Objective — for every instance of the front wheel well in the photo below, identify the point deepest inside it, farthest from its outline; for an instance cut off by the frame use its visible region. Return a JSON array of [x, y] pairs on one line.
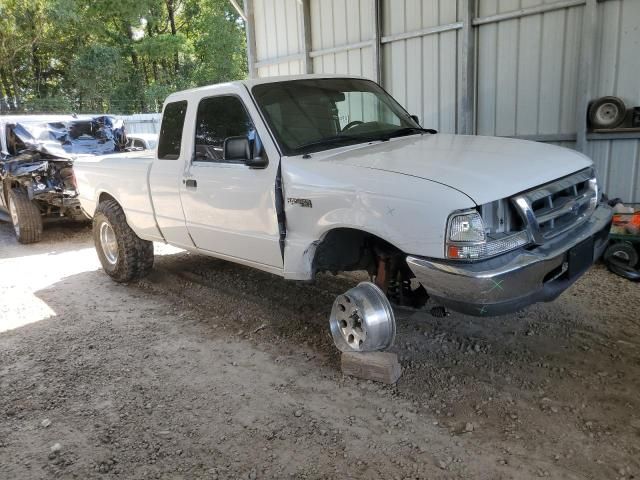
[[349, 249]]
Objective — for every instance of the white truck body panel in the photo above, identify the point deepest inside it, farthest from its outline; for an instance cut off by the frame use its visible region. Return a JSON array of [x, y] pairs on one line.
[[131, 189], [469, 164], [348, 196]]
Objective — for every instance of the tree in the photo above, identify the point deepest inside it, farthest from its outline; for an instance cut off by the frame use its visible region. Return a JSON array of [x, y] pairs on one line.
[[114, 55]]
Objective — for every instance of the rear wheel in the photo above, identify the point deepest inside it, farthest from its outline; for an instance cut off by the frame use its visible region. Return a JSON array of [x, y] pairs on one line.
[[25, 216], [123, 255]]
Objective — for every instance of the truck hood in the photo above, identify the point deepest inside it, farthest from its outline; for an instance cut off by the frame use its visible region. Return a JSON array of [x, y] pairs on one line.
[[483, 168]]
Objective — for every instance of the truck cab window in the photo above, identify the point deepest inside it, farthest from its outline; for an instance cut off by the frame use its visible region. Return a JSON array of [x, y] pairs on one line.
[[171, 131], [219, 118]]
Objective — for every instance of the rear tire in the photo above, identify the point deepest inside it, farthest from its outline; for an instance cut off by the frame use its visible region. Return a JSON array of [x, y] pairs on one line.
[[124, 256], [25, 216]]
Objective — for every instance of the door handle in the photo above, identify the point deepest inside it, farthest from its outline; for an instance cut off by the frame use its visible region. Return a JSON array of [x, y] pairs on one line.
[[191, 183]]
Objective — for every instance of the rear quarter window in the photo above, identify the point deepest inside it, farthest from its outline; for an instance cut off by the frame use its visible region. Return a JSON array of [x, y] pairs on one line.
[[171, 130]]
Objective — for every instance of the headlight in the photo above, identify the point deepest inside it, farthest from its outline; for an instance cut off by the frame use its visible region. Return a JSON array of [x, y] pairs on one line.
[[467, 238], [466, 227]]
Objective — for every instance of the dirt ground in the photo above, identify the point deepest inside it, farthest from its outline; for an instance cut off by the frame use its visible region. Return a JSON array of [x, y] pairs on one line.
[[208, 370]]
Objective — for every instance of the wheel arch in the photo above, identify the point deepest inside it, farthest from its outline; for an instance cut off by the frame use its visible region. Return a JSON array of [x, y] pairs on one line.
[[358, 249], [9, 184], [103, 196]]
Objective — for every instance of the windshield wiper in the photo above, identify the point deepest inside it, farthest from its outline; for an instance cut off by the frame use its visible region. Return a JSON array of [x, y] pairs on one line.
[[401, 132], [338, 139], [329, 141]]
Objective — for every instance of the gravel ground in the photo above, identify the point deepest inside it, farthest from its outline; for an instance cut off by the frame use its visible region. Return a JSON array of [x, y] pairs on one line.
[[210, 370]]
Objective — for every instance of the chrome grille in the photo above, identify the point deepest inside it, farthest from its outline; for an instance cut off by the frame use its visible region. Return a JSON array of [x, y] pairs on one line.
[[554, 208]]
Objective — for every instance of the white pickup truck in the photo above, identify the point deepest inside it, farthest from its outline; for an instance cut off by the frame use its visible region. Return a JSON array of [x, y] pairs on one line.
[[299, 175]]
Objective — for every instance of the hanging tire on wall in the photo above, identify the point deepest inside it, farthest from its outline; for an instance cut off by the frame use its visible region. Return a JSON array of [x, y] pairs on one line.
[[124, 256], [25, 216], [607, 112]]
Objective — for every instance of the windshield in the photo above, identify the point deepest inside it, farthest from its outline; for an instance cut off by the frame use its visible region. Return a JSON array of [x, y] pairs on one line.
[[312, 115]]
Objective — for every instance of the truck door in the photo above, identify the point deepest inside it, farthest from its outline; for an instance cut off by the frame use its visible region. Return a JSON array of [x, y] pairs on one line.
[[229, 207], [167, 172]]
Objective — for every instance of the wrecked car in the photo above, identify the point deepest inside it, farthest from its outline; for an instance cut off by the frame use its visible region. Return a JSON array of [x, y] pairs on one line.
[[36, 166]]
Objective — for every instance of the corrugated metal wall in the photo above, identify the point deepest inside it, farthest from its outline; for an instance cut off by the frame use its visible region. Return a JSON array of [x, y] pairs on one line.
[[527, 64], [618, 73], [527, 70], [335, 23], [421, 72], [277, 24]]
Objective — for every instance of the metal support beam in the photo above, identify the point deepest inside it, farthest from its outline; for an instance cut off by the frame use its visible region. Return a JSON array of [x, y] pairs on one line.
[[340, 48], [377, 36], [467, 70], [423, 32], [238, 9], [275, 61], [305, 41], [585, 71], [250, 28], [524, 12]]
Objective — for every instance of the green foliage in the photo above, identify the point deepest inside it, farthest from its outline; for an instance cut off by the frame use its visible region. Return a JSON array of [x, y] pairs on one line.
[[117, 56], [162, 46]]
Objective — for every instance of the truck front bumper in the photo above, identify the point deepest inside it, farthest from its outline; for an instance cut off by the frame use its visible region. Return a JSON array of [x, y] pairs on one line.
[[517, 279]]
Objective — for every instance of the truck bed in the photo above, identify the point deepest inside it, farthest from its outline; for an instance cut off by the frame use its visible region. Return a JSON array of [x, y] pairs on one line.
[[95, 178]]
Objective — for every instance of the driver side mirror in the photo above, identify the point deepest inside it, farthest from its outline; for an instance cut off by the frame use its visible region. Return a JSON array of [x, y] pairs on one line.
[[416, 119], [239, 149]]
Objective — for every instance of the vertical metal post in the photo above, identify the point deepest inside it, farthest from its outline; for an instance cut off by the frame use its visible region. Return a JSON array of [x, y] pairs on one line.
[[307, 62], [585, 71], [467, 70], [250, 28], [376, 44], [238, 9]]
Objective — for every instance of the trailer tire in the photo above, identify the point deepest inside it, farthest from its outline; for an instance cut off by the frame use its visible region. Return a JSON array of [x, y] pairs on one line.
[[124, 256], [25, 216], [621, 253]]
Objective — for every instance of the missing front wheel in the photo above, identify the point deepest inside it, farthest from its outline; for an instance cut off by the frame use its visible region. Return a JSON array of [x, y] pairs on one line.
[[394, 278]]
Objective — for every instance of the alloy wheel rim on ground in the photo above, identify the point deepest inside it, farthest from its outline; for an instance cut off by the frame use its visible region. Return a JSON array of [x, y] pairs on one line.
[[362, 320], [109, 243]]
